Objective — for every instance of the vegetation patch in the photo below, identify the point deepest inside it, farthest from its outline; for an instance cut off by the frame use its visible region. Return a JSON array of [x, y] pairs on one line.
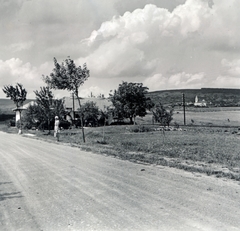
[[197, 149]]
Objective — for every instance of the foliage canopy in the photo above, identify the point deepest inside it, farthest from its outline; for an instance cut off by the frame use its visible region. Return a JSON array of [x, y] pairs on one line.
[[130, 100], [67, 76], [90, 112], [17, 94], [162, 115], [44, 110]]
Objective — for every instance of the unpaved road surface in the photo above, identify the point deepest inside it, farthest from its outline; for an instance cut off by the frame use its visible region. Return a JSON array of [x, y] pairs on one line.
[[50, 186]]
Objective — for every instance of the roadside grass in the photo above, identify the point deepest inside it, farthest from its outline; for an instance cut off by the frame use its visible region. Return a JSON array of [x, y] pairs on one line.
[[5, 128], [209, 150], [204, 149], [215, 151]]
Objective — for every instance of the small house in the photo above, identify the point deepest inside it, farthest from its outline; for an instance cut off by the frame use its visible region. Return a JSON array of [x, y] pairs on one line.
[[18, 110], [72, 105]]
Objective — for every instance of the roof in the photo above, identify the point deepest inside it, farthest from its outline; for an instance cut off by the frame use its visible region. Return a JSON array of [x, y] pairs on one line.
[[25, 106], [101, 103]]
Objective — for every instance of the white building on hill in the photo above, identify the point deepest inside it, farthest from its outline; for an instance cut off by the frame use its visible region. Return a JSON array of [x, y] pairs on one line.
[[201, 103]]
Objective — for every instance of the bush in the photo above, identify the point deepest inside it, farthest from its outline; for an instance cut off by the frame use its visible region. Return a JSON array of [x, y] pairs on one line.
[[12, 123], [64, 124], [140, 129]]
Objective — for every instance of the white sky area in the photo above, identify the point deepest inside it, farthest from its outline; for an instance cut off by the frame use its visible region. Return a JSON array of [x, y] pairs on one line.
[[163, 44]]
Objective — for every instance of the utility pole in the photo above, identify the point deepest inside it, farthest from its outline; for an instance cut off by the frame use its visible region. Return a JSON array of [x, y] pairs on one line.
[[184, 113], [73, 108]]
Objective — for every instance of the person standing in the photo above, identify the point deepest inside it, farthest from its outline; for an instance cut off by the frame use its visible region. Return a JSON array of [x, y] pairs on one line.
[[56, 128]]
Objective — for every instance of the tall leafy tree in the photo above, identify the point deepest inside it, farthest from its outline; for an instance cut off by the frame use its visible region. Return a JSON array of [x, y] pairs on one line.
[[44, 100], [68, 76], [90, 112], [33, 116], [18, 95], [58, 108], [40, 113], [130, 100]]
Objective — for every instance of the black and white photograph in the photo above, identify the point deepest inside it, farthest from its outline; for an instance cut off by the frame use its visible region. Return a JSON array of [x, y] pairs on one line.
[[119, 115]]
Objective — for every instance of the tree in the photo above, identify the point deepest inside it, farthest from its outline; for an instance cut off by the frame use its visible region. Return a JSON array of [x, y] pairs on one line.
[[58, 108], [18, 95], [161, 115], [44, 99], [103, 117], [90, 112], [48, 107], [130, 100], [44, 110], [68, 76], [33, 116]]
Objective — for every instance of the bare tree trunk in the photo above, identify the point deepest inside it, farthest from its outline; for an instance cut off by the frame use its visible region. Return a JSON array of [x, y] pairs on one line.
[[104, 130], [49, 125], [81, 117], [131, 120]]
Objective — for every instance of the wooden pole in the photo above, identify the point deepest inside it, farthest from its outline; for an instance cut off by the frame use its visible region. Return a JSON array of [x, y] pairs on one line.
[[73, 108], [184, 113]]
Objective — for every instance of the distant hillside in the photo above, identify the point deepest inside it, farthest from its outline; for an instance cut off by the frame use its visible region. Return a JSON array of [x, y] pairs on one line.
[[221, 97], [6, 105]]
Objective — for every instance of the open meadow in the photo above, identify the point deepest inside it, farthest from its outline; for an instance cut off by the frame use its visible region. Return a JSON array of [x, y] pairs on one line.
[[210, 144], [222, 116]]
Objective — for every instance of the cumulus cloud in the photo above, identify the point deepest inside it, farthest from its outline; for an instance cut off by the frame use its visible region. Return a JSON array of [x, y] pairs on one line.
[[177, 81], [15, 47], [226, 82], [182, 44], [232, 68], [136, 39], [152, 42], [14, 71]]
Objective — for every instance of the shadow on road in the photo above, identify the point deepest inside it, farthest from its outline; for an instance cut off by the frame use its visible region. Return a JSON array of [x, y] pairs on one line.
[[12, 195]]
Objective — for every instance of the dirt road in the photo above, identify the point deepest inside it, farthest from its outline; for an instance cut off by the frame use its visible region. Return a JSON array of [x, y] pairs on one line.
[[48, 186]]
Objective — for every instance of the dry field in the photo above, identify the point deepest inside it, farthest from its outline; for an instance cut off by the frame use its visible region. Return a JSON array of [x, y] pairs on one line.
[[210, 116]]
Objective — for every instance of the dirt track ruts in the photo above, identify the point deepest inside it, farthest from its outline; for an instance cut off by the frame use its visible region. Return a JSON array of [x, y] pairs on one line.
[[49, 186]]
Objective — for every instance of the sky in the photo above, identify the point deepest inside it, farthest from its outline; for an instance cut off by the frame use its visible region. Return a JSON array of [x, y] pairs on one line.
[[177, 44]]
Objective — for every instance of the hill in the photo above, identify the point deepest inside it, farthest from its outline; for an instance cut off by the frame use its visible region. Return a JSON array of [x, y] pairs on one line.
[[218, 97], [6, 106]]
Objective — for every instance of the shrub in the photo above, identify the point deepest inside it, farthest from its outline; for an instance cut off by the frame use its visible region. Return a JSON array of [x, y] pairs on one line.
[[64, 124], [12, 123], [140, 128]]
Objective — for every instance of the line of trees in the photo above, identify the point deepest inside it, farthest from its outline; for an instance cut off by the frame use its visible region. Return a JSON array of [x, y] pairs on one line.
[[128, 101]]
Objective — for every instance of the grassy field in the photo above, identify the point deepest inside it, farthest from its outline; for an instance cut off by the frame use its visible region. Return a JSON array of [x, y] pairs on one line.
[[228, 117], [206, 149], [212, 117]]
